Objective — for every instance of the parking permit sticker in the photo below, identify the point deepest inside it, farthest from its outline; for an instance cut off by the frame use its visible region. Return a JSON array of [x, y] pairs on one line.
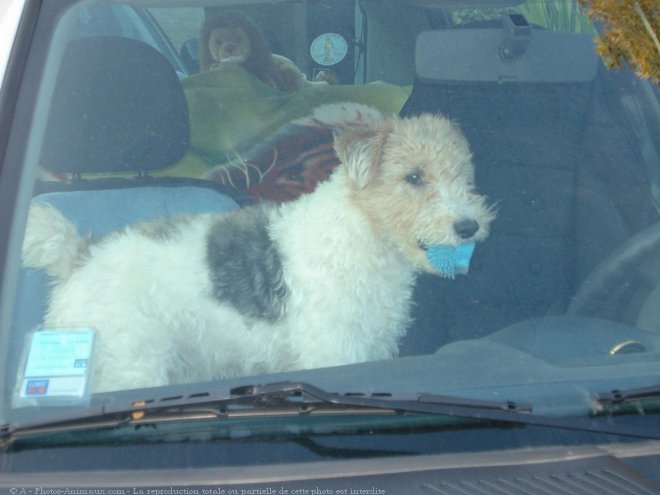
[[57, 366], [328, 49]]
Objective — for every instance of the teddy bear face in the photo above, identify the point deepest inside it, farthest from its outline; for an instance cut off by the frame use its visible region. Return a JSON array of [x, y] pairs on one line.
[[229, 44]]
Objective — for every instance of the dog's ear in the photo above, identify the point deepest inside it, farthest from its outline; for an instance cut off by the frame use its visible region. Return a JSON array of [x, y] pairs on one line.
[[360, 133], [361, 152]]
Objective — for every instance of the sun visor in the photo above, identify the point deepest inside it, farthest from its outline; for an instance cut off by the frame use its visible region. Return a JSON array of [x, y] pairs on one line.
[[506, 55]]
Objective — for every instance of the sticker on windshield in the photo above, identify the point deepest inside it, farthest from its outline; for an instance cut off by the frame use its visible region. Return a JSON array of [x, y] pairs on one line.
[[57, 366], [328, 49]]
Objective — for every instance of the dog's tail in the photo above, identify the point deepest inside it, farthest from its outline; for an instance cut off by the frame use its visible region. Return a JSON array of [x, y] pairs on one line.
[[52, 242]]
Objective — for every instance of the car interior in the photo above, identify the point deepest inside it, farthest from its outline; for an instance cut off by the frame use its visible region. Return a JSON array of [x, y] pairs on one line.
[[545, 142]]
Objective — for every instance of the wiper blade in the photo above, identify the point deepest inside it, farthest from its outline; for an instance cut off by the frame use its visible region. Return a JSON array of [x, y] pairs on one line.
[[282, 398], [505, 412], [617, 396], [415, 402], [298, 398]]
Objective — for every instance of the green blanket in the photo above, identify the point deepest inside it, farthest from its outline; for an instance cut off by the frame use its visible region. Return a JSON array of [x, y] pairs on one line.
[[231, 111]]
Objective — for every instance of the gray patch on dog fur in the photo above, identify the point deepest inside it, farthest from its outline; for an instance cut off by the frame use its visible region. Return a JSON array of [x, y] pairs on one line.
[[246, 269]]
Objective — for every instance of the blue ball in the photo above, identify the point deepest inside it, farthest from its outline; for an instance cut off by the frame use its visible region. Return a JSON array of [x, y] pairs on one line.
[[451, 260]]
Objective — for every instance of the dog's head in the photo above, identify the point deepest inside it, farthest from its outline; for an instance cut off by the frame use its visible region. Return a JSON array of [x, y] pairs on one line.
[[414, 180]]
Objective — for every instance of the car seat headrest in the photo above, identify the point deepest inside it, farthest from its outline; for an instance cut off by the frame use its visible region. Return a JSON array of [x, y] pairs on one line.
[[480, 55], [118, 106]]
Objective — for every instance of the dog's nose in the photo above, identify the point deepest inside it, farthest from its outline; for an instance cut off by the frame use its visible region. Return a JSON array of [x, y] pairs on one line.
[[466, 228]]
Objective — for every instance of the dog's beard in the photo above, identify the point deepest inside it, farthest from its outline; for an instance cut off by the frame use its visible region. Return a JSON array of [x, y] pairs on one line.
[[234, 59]]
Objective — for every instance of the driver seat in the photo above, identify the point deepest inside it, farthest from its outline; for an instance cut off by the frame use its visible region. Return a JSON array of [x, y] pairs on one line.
[[524, 117]]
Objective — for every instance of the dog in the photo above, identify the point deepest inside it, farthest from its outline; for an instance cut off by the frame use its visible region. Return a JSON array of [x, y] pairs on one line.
[[235, 38], [325, 280]]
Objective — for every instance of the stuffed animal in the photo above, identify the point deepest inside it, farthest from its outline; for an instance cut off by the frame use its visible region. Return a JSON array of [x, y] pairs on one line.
[[235, 38]]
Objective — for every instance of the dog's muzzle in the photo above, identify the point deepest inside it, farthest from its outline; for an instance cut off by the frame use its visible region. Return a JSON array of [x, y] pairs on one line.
[[466, 228]]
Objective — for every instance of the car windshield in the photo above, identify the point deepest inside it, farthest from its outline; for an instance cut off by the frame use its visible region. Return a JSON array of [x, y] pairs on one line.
[[234, 219]]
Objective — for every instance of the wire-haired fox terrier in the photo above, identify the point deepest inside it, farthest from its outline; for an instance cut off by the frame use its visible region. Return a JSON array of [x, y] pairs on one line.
[[322, 281]]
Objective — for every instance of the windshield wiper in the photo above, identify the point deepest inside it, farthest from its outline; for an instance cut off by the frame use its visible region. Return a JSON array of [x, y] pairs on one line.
[[275, 399], [298, 398], [399, 402], [505, 412], [622, 401]]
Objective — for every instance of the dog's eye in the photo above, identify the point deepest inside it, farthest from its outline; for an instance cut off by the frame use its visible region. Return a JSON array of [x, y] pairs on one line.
[[414, 179]]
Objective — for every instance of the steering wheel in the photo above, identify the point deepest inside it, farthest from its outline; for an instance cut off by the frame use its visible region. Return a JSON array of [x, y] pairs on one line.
[[626, 286]]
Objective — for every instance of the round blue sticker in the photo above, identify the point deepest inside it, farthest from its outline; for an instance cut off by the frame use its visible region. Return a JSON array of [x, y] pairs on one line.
[[328, 49]]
